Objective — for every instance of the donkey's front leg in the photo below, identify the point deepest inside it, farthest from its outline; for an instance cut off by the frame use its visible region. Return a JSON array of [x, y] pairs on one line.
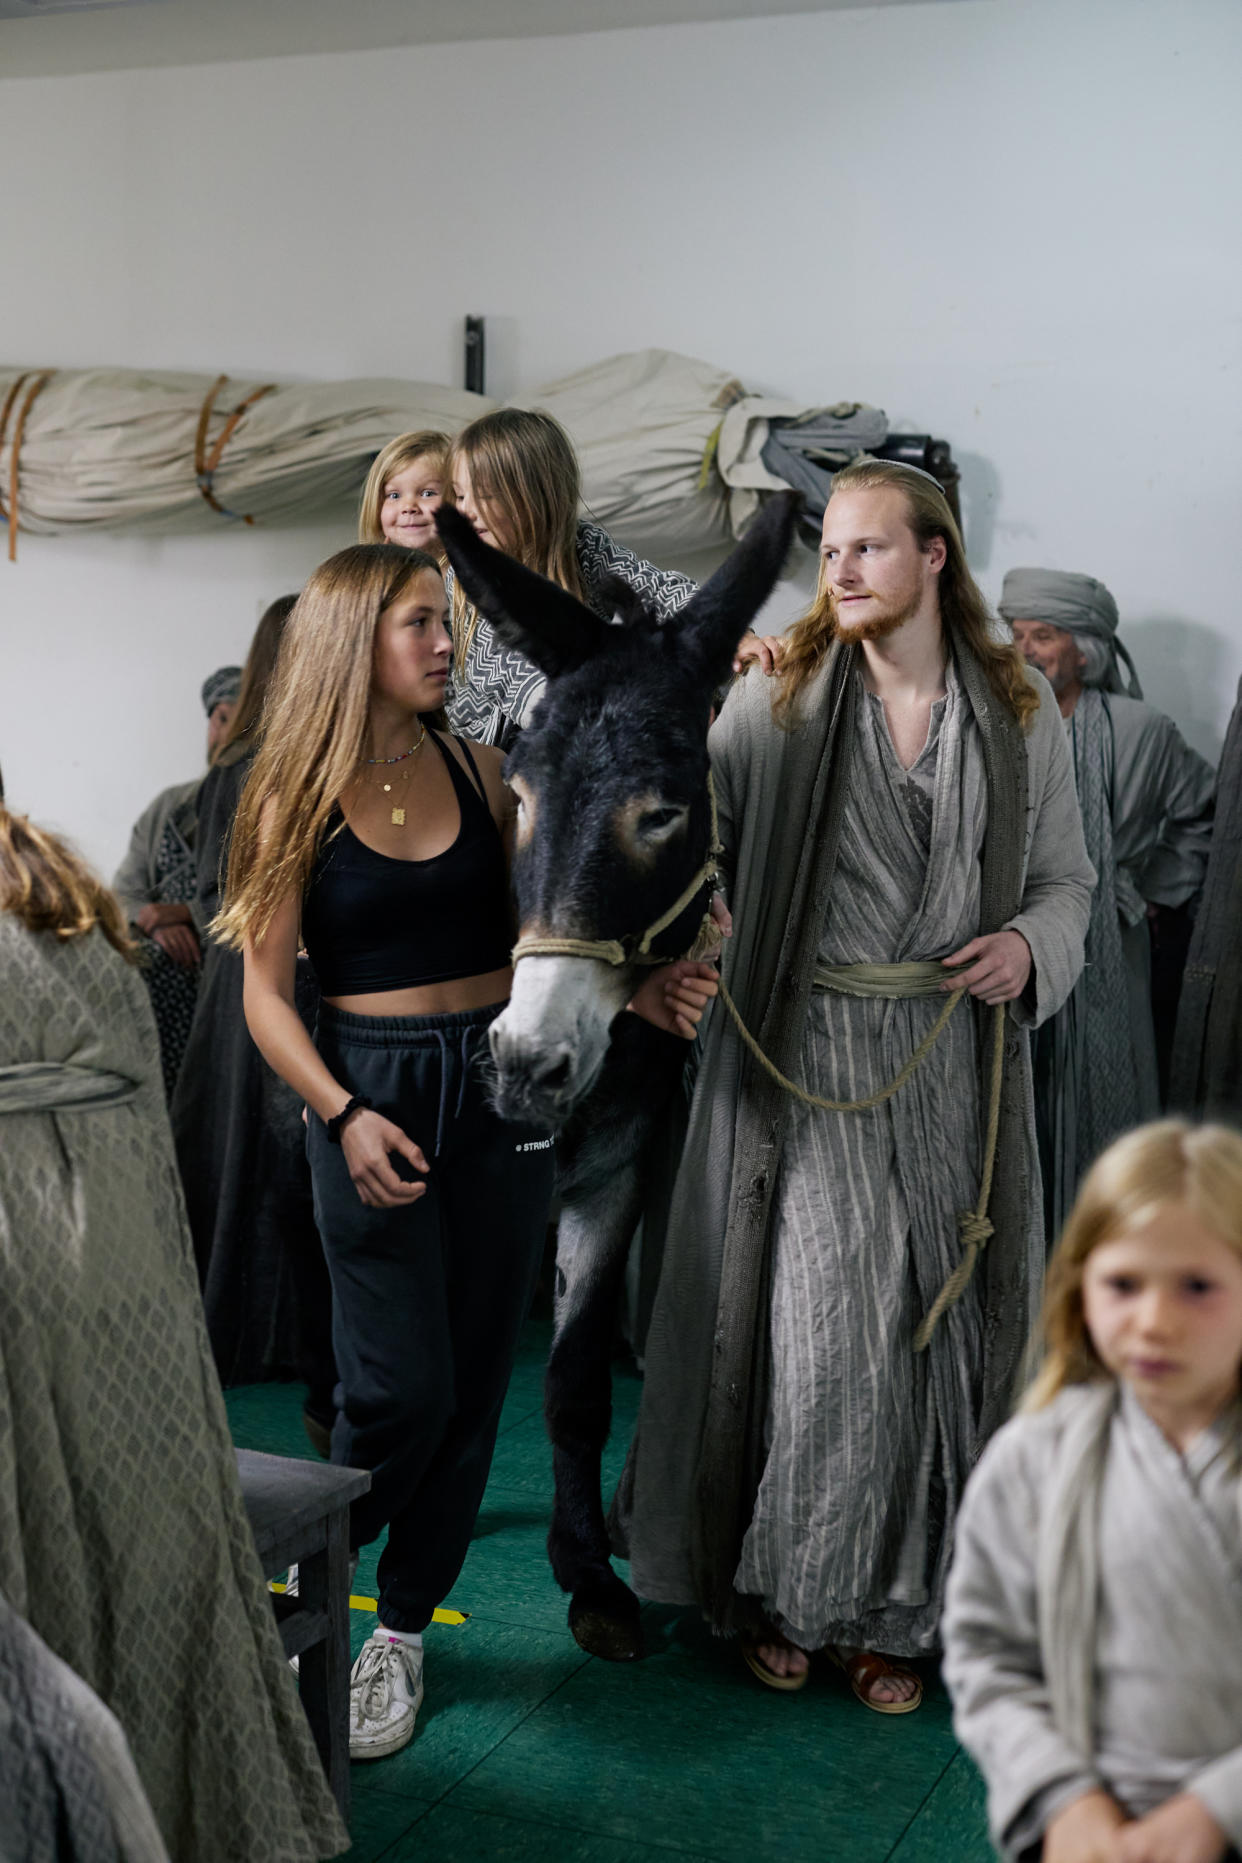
[[592, 1246]]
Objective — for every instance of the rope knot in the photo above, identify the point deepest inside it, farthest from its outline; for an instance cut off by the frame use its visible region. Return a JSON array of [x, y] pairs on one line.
[[973, 1228]]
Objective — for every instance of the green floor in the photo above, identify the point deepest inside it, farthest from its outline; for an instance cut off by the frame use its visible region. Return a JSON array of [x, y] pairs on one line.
[[528, 1749]]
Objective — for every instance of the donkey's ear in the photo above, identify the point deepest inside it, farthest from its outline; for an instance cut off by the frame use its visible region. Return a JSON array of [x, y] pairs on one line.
[[527, 611], [713, 621]]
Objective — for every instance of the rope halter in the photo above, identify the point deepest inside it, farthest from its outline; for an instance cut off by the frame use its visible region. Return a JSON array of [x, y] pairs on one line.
[[633, 949]]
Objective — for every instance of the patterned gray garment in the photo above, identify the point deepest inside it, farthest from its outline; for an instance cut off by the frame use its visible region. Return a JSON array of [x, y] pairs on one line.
[[173, 990], [502, 687], [123, 1537], [869, 1444]]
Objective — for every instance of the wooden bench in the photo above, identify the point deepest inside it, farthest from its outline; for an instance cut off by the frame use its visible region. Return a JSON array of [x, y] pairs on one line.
[[299, 1514]]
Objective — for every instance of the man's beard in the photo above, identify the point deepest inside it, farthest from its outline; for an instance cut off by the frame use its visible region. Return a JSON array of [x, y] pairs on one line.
[[880, 626], [1057, 680]]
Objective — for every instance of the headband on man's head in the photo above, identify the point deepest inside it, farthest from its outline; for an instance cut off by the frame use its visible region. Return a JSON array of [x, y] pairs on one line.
[[1077, 604], [223, 684]]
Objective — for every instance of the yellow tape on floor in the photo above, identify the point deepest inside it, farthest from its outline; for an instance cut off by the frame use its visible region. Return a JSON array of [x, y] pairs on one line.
[[368, 1604], [437, 1617]]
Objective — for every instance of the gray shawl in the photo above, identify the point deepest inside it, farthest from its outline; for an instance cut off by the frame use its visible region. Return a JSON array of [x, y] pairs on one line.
[[689, 1486]]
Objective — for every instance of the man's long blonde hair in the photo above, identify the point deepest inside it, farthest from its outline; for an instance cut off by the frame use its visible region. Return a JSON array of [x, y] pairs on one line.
[[49, 888], [315, 731], [405, 450], [1170, 1161], [522, 466], [963, 609]]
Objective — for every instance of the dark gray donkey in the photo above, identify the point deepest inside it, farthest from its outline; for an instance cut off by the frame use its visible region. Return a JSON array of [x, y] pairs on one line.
[[613, 830]]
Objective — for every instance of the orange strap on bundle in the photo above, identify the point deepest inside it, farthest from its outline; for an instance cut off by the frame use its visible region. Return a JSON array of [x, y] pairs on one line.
[[205, 463], [32, 393]]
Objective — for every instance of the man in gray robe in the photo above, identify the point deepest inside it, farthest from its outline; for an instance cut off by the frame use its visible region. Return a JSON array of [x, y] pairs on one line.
[[1146, 801], [831, 1340]]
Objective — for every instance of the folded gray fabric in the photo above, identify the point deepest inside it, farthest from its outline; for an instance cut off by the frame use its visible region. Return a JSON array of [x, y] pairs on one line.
[[807, 451]]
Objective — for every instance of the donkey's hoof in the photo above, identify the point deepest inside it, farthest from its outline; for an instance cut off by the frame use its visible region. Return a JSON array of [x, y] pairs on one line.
[[607, 1625]]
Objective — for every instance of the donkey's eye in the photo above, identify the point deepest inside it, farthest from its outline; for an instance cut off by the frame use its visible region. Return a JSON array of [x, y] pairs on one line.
[[659, 821]]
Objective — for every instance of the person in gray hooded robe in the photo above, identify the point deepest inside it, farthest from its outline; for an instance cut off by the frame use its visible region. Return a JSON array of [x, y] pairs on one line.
[[1146, 801], [846, 1294], [155, 884]]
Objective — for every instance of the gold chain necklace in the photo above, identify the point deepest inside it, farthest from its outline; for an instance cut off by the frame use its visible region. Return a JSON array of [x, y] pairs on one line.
[[397, 815]]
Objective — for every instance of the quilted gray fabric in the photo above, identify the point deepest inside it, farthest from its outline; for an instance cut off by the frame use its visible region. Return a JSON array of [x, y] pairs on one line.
[[123, 1539]]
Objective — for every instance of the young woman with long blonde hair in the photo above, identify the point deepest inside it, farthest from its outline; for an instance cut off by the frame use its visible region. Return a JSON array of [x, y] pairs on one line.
[[1094, 1610], [372, 832]]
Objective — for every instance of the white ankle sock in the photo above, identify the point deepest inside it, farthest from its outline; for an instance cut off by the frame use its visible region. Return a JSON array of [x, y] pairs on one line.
[[414, 1638]]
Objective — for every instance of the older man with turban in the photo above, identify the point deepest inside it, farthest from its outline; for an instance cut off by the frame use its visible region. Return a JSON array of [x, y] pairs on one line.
[[1146, 801], [157, 879]]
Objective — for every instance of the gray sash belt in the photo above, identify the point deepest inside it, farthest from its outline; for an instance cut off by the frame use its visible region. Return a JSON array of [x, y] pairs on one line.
[[59, 1086], [923, 977]]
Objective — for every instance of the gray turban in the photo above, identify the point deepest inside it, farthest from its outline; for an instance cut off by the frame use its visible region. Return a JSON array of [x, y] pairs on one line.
[[224, 683], [1082, 607]]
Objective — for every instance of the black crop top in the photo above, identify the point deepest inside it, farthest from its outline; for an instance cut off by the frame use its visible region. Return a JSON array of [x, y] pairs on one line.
[[371, 922]]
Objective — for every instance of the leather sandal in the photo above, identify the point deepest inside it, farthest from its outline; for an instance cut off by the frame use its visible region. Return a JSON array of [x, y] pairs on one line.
[[866, 1668], [787, 1684]]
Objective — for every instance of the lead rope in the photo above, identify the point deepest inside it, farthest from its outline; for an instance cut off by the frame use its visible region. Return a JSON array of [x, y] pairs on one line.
[[974, 1226]]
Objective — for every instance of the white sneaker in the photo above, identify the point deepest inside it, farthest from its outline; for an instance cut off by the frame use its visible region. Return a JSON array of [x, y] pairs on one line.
[[385, 1694]]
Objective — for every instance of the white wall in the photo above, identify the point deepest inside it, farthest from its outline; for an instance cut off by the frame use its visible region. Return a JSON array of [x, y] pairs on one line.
[[1010, 222]]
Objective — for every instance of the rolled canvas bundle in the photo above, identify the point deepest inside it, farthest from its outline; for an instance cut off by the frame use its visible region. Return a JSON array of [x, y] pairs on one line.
[[675, 455]]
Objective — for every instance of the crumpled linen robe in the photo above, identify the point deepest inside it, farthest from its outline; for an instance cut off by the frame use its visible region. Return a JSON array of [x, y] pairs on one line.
[[687, 1495], [68, 1789], [1097, 1576], [1147, 802], [123, 1537], [867, 1441]]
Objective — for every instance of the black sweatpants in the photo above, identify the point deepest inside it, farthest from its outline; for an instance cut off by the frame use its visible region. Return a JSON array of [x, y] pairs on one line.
[[429, 1299]]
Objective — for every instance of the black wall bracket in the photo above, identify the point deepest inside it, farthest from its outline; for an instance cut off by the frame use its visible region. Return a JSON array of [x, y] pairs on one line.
[[476, 357]]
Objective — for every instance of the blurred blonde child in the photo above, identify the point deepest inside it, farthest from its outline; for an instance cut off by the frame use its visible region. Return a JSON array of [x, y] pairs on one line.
[[1093, 1621]]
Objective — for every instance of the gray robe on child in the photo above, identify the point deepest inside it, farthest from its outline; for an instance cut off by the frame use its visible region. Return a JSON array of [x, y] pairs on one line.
[[1094, 1613]]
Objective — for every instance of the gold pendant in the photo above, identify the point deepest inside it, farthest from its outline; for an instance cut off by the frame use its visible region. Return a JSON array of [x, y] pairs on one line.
[[398, 818]]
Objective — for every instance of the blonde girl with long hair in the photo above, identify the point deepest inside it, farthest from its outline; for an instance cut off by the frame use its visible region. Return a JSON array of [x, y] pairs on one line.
[[1094, 1610], [514, 475], [403, 491], [375, 834]]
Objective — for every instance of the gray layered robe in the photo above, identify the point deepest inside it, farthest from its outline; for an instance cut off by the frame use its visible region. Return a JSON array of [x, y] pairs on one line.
[[688, 1494], [1147, 816], [1093, 1615]]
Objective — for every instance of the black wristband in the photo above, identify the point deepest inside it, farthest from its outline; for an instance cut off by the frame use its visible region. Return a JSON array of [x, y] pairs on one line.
[[333, 1126]]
